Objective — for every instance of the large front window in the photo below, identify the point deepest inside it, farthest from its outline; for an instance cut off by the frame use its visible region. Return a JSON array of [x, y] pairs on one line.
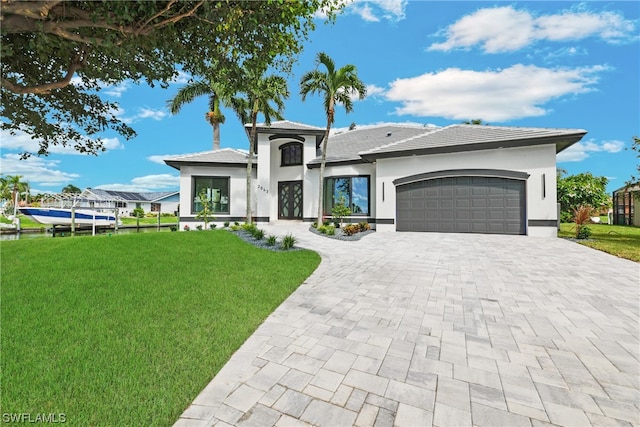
[[352, 191], [291, 154], [215, 191]]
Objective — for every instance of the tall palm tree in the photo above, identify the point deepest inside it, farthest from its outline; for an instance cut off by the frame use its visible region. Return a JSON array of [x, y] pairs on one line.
[[15, 185], [260, 93], [336, 86], [193, 90]]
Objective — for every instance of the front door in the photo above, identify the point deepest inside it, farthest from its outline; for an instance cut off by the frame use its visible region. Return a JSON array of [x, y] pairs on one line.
[[290, 200]]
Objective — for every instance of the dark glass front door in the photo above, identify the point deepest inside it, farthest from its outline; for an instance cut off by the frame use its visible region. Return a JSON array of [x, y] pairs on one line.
[[290, 200]]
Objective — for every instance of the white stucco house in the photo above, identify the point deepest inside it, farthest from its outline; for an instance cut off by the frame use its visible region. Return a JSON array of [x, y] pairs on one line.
[[127, 201], [458, 178]]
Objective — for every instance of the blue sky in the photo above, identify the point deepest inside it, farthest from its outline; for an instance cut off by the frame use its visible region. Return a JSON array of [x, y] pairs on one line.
[[533, 64]]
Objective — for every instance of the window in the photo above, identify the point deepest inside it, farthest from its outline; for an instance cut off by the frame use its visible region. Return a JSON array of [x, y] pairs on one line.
[[121, 204], [291, 154], [155, 207], [353, 191], [216, 192]]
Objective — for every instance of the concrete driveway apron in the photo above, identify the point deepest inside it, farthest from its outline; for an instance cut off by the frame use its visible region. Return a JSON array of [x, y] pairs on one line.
[[420, 329]]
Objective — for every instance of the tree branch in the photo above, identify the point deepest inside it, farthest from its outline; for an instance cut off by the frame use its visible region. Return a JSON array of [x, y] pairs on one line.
[[45, 89]]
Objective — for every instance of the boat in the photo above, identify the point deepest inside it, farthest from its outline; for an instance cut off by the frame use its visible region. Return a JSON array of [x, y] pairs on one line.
[[63, 216]]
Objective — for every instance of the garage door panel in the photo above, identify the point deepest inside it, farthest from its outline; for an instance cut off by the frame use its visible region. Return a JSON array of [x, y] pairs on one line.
[[463, 205]]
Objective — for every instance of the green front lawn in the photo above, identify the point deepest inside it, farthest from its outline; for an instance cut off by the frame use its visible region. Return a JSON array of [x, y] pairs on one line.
[[128, 329], [620, 240]]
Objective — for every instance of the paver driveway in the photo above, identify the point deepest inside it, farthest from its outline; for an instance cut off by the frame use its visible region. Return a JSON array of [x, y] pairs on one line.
[[424, 329]]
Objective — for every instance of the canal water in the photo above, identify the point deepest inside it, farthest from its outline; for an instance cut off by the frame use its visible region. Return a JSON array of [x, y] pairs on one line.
[[47, 233]]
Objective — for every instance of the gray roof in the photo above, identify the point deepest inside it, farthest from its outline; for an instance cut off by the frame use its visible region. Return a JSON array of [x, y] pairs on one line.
[[224, 156], [368, 143], [286, 125], [456, 138], [346, 146], [132, 196]]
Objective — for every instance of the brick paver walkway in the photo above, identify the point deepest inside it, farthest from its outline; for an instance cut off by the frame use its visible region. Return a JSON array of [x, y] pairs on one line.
[[420, 329]]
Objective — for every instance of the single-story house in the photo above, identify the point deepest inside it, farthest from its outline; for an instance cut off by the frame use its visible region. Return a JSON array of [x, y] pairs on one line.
[[127, 201], [626, 202], [458, 178]]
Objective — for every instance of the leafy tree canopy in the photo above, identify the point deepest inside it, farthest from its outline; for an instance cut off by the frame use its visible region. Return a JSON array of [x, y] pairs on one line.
[[71, 189], [57, 54], [582, 189], [635, 146]]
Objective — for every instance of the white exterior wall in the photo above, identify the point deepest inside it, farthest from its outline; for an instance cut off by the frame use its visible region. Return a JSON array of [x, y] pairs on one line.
[[237, 191], [535, 161]]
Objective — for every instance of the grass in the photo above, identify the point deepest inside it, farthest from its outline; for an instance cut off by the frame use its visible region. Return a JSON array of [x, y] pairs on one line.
[[620, 240], [128, 329]]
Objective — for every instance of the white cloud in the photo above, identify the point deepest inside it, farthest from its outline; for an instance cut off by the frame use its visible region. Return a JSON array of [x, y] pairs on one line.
[[505, 29], [182, 78], [373, 90], [373, 10], [148, 183], [41, 170], [581, 150], [143, 113], [494, 95], [117, 90], [23, 142]]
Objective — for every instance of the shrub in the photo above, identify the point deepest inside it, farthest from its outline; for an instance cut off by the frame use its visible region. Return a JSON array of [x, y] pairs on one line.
[[581, 216], [236, 223], [364, 226], [584, 233], [186, 227], [315, 224], [271, 240], [212, 226], [235, 227], [326, 222], [138, 213], [173, 228], [250, 228], [288, 241], [339, 211], [199, 227], [258, 234], [226, 223], [330, 230], [323, 229], [351, 229]]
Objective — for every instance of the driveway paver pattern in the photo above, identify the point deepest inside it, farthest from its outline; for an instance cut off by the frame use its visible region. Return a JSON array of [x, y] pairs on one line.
[[421, 329]]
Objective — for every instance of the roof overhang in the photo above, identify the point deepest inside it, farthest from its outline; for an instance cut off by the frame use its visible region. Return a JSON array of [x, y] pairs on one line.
[[177, 164], [561, 143]]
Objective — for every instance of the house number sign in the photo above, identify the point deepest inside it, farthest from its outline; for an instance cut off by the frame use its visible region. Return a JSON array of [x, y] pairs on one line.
[[260, 187]]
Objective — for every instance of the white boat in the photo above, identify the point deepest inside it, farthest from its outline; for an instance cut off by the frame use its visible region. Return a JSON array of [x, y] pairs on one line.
[[62, 216]]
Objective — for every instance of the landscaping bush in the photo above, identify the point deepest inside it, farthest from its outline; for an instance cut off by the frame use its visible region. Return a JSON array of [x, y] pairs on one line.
[[323, 229], [258, 234], [212, 226], [226, 223], [199, 227], [581, 216], [364, 226], [330, 230], [351, 229], [173, 228], [287, 242], [271, 240]]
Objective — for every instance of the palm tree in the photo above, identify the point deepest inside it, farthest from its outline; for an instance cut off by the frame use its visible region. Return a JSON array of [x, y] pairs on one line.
[[260, 93], [336, 87], [15, 185], [193, 90]]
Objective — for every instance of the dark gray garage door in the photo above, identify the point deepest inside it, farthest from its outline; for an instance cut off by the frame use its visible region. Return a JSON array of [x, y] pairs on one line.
[[462, 205]]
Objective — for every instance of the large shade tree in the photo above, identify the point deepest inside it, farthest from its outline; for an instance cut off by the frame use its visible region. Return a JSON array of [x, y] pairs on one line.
[[211, 88], [336, 86], [583, 189], [263, 95], [56, 55], [13, 187]]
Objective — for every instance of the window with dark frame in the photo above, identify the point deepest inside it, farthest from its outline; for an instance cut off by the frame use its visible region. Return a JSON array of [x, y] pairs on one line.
[[216, 190], [291, 154], [353, 191]]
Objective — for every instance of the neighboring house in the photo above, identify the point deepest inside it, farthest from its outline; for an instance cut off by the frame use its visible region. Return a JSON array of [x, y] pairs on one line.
[[459, 178], [127, 201], [626, 202]]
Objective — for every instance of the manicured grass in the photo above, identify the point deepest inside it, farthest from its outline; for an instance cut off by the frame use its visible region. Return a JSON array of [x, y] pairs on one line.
[[620, 240], [127, 330]]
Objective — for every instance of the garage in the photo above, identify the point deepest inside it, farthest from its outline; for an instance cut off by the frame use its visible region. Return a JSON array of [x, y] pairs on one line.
[[461, 204]]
